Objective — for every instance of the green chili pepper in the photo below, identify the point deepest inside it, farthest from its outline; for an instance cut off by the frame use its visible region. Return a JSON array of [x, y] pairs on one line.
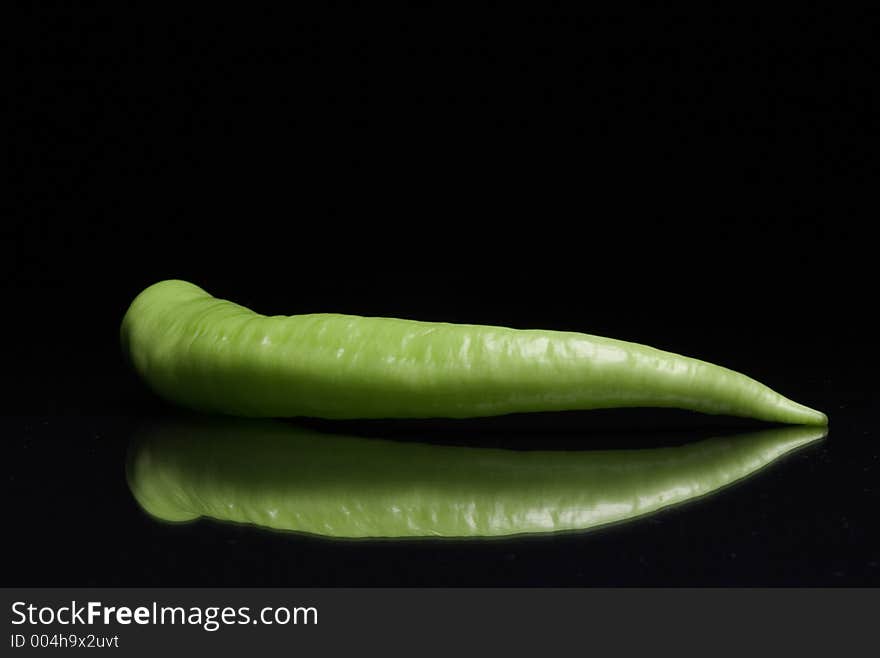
[[275, 475], [216, 356]]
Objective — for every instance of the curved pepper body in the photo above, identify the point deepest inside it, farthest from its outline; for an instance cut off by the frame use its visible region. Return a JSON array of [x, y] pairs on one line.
[[274, 475], [216, 356]]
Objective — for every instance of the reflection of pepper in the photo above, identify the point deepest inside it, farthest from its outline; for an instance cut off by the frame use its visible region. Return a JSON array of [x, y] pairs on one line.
[[217, 356], [280, 476]]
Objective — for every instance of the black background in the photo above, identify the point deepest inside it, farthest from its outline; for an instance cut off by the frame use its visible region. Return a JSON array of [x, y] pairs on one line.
[[698, 183]]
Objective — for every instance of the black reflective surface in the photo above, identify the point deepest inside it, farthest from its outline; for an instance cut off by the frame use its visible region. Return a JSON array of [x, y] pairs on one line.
[[807, 519]]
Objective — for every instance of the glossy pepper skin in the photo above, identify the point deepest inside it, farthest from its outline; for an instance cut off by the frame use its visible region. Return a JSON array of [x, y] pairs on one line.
[[216, 356], [275, 475]]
